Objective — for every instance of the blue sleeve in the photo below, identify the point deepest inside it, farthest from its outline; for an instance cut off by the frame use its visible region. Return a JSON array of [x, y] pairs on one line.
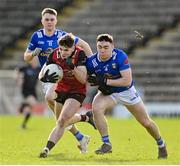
[[76, 39], [33, 42], [89, 66], [123, 61]]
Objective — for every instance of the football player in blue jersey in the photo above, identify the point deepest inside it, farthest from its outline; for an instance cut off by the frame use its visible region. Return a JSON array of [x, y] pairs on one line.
[[110, 70], [42, 43]]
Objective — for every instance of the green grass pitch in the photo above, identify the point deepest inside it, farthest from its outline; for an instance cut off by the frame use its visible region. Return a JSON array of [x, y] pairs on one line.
[[131, 143]]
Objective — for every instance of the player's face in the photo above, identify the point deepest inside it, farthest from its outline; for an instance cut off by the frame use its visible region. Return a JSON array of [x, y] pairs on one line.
[[104, 49], [49, 21], [65, 51]]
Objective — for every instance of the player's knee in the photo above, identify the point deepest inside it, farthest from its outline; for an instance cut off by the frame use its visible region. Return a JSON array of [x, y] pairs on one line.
[[98, 107], [24, 106], [61, 122], [147, 123]]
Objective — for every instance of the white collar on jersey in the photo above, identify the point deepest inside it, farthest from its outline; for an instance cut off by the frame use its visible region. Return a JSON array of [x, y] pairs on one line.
[[55, 32]]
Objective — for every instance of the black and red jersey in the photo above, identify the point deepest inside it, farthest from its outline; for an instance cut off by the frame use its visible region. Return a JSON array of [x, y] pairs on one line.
[[69, 83]]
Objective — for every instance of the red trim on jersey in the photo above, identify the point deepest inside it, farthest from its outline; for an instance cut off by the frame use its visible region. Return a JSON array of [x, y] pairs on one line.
[[126, 61]]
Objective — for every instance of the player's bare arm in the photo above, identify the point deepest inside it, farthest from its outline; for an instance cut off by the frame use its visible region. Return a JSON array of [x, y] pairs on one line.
[[125, 80], [80, 73], [29, 55], [85, 46]]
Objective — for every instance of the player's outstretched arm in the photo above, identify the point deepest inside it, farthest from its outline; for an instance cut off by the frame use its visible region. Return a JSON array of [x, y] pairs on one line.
[[85, 46], [125, 80], [80, 73], [29, 55]]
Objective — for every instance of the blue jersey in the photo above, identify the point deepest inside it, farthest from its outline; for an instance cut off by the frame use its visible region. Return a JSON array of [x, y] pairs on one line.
[[46, 43], [111, 68]]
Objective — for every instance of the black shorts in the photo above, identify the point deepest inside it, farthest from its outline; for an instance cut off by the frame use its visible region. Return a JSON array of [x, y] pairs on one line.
[[29, 93], [62, 97]]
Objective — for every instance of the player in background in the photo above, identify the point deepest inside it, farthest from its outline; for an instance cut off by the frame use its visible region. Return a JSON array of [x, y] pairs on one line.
[[69, 92], [43, 42], [27, 79], [110, 70]]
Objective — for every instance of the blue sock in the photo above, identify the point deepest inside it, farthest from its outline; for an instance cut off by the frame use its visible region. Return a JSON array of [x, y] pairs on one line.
[[105, 139], [79, 136], [160, 142]]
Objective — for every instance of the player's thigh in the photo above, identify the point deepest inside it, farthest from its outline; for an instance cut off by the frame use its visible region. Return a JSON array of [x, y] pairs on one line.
[[70, 107], [50, 91], [102, 102], [57, 109], [46, 86], [139, 111]]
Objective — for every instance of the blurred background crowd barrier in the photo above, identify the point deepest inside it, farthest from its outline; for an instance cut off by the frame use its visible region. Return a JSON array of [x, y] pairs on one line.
[[148, 31]]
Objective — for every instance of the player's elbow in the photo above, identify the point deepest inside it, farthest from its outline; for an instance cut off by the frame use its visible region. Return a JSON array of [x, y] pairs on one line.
[[83, 81], [86, 47], [27, 58], [127, 81]]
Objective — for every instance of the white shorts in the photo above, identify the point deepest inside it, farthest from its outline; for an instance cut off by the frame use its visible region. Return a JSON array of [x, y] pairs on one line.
[[127, 97], [46, 86]]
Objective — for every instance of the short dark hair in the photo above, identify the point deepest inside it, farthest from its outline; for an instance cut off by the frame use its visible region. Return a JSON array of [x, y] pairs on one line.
[[66, 41], [49, 11], [104, 37]]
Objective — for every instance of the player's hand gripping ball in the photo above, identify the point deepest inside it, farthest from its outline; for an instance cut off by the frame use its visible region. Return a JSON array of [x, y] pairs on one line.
[[52, 73]]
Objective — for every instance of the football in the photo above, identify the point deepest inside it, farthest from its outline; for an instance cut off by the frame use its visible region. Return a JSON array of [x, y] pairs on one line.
[[54, 68]]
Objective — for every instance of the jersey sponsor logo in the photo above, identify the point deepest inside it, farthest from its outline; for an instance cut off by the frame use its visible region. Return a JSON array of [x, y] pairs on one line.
[[40, 42], [39, 34], [98, 70]]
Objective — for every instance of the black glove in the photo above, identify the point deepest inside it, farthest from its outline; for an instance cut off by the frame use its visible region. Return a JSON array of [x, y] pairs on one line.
[[69, 63], [97, 80], [106, 90], [53, 78], [37, 51]]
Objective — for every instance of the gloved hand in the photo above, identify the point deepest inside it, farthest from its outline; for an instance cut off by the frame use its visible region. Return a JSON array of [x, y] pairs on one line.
[[47, 52], [69, 63], [53, 78], [106, 90], [37, 51], [95, 80]]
